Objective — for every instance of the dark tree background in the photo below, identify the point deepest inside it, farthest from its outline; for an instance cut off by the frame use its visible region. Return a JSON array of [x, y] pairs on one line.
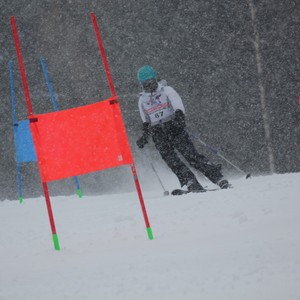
[[203, 48]]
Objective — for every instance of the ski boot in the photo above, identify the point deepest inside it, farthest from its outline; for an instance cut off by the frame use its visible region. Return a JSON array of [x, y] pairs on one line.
[[223, 184], [195, 187]]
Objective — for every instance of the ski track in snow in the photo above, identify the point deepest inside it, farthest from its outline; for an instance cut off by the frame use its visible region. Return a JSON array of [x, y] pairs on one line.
[[241, 243]]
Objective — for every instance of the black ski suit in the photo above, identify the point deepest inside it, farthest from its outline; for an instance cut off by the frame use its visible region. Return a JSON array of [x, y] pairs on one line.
[[170, 134]]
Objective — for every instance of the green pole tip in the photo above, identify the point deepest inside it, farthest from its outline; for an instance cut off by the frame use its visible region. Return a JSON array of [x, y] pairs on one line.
[[79, 193], [21, 200], [149, 231], [56, 242]]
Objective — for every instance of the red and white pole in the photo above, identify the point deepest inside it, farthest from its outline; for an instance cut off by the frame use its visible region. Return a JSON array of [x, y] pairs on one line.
[[113, 92], [30, 116]]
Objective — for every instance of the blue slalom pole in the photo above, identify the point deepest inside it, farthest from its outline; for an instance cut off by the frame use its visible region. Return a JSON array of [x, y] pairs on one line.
[[44, 67], [19, 182], [15, 124], [79, 193], [53, 99]]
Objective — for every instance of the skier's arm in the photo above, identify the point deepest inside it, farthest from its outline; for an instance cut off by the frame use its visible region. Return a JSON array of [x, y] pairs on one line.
[[179, 111], [142, 141], [174, 98], [144, 117]]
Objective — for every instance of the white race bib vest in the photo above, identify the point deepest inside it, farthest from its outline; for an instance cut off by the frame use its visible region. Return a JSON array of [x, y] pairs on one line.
[[158, 108]]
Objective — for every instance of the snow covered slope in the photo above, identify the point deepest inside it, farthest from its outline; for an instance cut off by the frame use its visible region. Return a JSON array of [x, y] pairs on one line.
[[242, 243]]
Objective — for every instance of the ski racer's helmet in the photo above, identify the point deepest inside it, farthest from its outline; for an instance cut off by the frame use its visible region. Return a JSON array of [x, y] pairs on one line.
[[146, 73]]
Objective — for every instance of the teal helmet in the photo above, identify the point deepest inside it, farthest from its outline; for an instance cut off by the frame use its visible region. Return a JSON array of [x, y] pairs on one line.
[[146, 73]]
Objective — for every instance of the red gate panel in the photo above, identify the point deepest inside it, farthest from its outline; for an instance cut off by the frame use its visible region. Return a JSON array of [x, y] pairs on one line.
[[80, 140]]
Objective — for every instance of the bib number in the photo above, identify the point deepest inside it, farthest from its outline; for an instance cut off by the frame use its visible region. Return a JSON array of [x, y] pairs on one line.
[[159, 115]]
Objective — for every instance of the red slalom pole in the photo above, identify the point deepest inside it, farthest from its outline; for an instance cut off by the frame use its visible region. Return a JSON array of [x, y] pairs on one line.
[[21, 64], [50, 214], [139, 191], [113, 92], [103, 55], [30, 114]]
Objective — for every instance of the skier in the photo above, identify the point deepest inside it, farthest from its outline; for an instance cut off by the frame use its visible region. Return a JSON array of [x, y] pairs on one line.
[[163, 116]]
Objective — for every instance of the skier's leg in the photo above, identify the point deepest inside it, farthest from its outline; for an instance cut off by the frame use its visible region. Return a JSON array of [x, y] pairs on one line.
[[168, 154], [185, 146]]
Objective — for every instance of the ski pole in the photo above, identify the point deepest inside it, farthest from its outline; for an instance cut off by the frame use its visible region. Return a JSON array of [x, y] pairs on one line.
[[166, 192], [215, 151]]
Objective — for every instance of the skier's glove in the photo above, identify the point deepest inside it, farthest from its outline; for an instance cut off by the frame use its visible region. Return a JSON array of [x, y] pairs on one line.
[[141, 142], [146, 129], [179, 119]]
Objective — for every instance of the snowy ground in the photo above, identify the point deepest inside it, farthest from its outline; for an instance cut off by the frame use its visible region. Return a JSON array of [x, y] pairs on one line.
[[241, 244]]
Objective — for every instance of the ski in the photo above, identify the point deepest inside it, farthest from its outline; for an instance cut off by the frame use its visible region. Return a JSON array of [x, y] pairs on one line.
[[179, 192]]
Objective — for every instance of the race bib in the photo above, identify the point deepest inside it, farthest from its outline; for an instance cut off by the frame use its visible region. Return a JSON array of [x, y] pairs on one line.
[[158, 108]]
